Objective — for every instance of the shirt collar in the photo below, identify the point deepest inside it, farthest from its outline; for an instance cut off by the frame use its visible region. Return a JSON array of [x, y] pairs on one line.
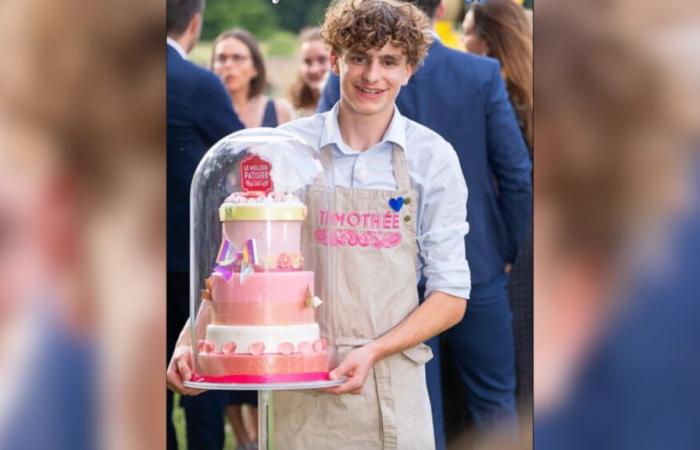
[[173, 43], [395, 133]]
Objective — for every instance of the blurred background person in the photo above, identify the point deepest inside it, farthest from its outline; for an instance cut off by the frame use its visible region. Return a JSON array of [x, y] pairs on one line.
[[46, 313], [237, 60], [82, 214], [305, 92], [617, 255], [501, 29]]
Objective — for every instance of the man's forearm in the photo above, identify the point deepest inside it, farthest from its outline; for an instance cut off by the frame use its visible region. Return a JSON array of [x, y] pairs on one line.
[[439, 312]]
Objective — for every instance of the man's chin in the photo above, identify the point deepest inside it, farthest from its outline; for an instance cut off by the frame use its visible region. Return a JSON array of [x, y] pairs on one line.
[[373, 110], [365, 108]]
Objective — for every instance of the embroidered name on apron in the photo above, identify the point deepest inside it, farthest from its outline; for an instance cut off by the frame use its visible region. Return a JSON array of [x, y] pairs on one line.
[[358, 229]]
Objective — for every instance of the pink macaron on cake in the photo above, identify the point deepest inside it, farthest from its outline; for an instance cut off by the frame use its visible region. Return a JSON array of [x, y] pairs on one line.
[[259, 302]]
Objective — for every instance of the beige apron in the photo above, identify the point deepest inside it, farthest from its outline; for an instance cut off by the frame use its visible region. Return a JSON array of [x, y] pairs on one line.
[[368, 285]]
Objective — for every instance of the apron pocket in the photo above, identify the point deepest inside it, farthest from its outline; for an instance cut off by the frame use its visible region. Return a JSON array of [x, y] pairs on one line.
[[420, 354]]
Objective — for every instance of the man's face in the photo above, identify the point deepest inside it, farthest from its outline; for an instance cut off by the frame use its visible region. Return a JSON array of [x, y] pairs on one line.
[[370, 81]]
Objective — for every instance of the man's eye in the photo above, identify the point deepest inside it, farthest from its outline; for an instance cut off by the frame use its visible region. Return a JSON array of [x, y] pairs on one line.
[[357, 59]]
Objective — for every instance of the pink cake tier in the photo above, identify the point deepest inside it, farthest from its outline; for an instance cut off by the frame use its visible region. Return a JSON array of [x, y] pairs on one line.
[[274, 298], [244, 368]]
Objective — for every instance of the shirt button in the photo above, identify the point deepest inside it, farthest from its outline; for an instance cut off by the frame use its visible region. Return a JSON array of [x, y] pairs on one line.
[[360, 175]]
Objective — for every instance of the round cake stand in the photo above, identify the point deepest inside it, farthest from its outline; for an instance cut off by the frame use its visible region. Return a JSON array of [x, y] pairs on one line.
[[265, 435]]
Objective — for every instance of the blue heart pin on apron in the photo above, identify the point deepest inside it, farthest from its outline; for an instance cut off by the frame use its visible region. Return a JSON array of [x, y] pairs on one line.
[[396, 203]]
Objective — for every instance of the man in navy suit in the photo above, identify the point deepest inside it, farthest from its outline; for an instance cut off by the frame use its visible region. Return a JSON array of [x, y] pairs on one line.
[[462, 97], [200, 113]]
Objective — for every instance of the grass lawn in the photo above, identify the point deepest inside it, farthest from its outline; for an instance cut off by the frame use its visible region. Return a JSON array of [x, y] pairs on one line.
[[201, 53]]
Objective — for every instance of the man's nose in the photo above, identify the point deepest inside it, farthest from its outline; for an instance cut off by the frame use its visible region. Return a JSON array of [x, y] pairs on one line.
[[371, 72]]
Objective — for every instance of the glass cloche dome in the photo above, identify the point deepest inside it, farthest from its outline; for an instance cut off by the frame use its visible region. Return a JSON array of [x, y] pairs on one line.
[[253, 303]]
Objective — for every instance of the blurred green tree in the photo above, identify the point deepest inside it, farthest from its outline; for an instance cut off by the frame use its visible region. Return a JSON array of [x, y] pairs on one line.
[[256, 16], [297, 14], [261, 17]]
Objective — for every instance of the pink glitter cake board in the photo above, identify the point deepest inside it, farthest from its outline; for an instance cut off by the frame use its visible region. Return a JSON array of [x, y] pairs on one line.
[[288, 386]]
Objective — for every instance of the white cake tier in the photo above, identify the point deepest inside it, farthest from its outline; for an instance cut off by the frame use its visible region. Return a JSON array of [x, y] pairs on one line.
[[271, 336]]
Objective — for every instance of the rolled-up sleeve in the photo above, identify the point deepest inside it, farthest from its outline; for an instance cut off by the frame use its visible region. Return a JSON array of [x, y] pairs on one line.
[[443, 225]]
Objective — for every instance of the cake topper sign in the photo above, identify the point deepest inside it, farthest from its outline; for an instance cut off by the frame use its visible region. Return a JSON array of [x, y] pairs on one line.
[[255, 175]]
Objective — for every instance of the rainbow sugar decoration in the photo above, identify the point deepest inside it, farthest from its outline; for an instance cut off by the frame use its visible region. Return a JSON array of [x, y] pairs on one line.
[[225, 271], [227, 253], [249, 257], [228, 257]]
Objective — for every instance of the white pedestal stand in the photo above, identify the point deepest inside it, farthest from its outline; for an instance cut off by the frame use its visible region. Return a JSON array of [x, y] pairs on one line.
[[265, 432]]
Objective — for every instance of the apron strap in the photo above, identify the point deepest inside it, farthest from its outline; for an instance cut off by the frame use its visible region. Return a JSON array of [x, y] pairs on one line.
[[385, 392], [398, 162]]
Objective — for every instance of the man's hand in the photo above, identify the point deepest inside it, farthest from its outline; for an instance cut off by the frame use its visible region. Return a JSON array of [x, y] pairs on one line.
[[355, 366], [180, 370]]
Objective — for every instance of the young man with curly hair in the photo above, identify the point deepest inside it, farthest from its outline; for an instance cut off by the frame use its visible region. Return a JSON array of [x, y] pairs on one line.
[[463, 98], [380, 164], [372, 317]]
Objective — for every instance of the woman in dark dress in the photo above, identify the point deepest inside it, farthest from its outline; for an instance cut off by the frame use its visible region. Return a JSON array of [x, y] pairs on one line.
[[237, 60]]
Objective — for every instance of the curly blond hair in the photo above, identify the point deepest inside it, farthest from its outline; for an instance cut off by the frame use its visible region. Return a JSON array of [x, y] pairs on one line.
[[361, 25]]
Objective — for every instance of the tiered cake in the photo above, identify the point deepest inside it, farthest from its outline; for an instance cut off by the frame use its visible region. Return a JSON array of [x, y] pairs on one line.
[[261, 301]]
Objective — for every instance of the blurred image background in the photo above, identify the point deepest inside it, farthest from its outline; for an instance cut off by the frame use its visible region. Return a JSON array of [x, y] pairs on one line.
[[82, 220], [617, 203]]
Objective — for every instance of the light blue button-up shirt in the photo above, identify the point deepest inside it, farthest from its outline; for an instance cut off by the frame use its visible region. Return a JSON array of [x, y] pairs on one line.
[[435, 174]]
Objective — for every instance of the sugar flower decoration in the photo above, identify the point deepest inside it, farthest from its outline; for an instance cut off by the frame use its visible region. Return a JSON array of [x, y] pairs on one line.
[[284, 261], [311, 300]]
